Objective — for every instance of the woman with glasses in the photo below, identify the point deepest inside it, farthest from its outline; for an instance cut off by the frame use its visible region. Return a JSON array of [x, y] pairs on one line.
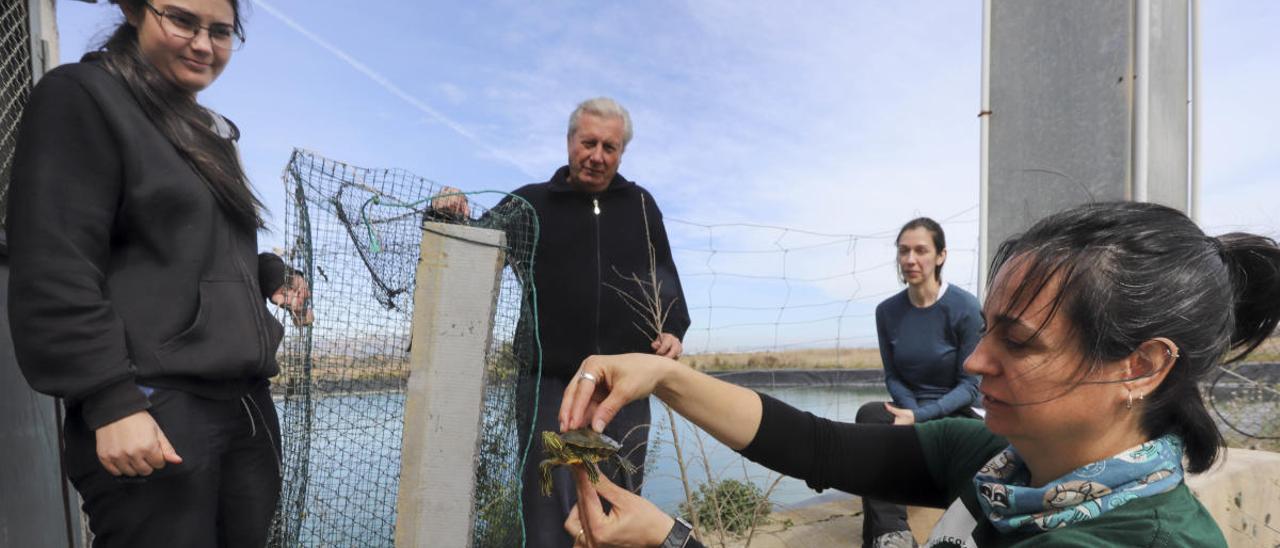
[[136, 292], [926, 332], [1101, 322]]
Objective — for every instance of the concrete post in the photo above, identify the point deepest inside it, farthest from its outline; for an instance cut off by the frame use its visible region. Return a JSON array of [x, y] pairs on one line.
[[457, 288], [1084, 100], [44, 36]]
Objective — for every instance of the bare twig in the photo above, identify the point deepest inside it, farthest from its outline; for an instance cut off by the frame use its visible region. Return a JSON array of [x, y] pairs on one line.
[[712, 492], [684, 473], [648, 305], [764, 503]]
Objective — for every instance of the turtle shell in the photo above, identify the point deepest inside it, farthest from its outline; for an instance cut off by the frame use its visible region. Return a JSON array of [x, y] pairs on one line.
[[587, 438]]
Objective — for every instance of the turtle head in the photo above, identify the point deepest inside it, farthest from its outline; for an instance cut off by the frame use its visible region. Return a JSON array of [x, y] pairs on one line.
[[551, 442]]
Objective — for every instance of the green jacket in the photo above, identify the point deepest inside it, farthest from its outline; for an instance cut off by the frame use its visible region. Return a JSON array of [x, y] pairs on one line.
[[956, 448]]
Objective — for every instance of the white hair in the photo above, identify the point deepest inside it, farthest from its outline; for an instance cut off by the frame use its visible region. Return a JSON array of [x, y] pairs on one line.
[[605, 108]]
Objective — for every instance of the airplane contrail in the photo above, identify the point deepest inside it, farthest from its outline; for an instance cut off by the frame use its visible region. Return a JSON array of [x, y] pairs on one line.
[[392, 88]]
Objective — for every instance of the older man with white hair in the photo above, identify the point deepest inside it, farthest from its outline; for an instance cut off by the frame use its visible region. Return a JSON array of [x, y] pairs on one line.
[[592, 240]]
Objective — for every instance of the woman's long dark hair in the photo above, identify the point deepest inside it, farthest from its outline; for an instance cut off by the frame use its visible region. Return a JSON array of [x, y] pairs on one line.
[[1131, 272], [183, 121]]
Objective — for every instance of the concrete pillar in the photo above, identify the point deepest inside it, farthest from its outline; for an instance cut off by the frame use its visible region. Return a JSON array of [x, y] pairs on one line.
[[1243, 494], [44, 36], [458, 276], [1083, 100]]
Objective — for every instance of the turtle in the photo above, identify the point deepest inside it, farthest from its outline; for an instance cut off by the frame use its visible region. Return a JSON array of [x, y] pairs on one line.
[[581, 446]]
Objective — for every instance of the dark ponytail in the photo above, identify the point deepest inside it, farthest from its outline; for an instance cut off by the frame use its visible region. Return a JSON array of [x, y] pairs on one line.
[[184, 122], [1254, 264]]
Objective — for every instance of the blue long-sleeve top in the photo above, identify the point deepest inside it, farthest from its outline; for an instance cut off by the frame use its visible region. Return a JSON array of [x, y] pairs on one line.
[[923, 350]]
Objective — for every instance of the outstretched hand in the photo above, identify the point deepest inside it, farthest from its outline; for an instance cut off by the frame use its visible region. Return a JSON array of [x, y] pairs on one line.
[[633, 521], [618, 380]]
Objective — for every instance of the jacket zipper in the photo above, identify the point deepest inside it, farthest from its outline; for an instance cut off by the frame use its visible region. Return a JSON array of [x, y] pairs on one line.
[[257, 316], [595, 208]]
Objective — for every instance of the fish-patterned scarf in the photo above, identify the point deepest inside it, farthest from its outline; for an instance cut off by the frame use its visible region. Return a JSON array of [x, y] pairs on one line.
[[1087, 492]]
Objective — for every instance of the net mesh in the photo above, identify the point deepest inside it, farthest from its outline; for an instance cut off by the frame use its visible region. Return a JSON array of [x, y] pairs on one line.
[[15, 85], [1245, 399], [355, 235]]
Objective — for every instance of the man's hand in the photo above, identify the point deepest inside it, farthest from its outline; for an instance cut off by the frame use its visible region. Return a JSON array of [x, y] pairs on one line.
[[293, 296], [901, 416], [451, 200], [134, 446], [667, 346]]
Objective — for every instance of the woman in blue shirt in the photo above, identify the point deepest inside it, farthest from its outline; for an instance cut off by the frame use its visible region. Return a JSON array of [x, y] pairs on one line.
[[926, 332]]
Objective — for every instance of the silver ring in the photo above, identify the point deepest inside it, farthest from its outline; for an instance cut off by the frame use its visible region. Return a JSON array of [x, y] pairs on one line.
[[588, 376]]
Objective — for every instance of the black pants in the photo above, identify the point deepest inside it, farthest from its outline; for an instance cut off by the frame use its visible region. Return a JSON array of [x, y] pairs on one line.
[[544, 515], [879, 517], [223, 494]]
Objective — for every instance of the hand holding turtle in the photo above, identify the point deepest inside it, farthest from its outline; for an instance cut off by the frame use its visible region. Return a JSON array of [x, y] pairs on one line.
[[632, 521], [604, 384]]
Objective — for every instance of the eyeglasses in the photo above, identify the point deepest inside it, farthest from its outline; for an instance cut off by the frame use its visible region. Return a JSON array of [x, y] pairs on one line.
[[185, 25]]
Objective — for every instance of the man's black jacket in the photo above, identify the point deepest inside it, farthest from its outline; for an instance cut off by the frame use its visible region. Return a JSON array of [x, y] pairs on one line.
[[588, 242]]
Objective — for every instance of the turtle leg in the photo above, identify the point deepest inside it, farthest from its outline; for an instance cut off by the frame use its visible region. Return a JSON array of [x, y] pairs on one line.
[[545, 467], [593, 471]]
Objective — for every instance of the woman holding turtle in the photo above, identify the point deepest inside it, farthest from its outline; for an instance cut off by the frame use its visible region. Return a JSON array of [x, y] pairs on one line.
[[1100, 323]]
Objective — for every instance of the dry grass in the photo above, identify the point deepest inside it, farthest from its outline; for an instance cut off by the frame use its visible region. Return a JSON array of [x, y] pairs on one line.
[[852, 358], [337, 373], [816, 358]]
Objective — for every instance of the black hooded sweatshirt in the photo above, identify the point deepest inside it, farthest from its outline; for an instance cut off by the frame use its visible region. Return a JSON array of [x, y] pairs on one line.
[[124, 270]]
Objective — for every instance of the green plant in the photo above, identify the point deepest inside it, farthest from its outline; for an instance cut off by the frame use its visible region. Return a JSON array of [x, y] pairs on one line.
[[737, 505]]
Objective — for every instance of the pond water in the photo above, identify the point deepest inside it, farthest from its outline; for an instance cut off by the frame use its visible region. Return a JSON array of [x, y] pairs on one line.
[[663, 485]]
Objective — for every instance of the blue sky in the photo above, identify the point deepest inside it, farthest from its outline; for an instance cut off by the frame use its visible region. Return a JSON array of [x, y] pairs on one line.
[[841, 117]]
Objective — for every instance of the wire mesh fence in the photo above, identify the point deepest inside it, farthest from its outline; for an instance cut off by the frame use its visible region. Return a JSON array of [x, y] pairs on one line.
[[1245, 399], [15, 85], [764, 296], [355, 234]]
